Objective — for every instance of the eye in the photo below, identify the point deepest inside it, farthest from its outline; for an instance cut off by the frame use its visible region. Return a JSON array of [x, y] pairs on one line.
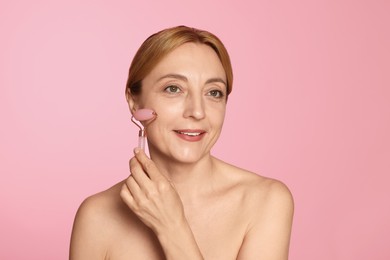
[[216, 93], [172, 89]]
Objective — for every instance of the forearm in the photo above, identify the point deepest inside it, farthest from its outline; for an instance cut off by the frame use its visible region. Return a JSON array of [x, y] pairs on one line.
[[179, 243]]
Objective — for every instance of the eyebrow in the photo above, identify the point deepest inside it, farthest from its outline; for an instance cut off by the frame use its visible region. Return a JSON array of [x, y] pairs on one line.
[[184, 78], [174, 76]]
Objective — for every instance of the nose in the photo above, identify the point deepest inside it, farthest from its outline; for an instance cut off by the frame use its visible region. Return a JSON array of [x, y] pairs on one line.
[[194, 107]]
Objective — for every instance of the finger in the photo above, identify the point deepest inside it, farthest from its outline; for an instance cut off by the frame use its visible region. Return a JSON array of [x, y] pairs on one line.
[[134, 189], [126, 196], [139, 175], [148, 165]]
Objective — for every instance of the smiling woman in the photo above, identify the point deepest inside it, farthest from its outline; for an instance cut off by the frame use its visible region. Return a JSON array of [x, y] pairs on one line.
[[182, 89], [183, 203]]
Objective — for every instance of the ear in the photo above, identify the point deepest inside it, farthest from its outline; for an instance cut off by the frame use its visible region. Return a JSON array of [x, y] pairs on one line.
[[131, 101]]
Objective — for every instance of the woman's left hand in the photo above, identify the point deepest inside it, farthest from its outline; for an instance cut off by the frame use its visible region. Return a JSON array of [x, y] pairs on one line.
[[151, 196]]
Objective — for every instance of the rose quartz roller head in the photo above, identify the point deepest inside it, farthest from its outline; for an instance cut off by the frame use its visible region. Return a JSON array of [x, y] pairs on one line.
[[143, 114]]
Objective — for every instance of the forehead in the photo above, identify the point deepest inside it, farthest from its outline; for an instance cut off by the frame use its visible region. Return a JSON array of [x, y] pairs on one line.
[[190, 58]]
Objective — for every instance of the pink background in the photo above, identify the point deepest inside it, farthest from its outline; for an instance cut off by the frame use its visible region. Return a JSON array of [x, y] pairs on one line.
[[310, 106]]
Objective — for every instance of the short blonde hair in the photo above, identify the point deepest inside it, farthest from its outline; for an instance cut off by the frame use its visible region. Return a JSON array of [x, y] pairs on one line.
[[158, 45]]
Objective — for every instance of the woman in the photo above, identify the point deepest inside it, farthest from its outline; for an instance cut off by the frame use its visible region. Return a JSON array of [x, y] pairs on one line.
[[183, 203]]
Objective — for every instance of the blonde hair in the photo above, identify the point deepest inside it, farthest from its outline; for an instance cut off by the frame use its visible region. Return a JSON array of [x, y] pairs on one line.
[[158, 45]]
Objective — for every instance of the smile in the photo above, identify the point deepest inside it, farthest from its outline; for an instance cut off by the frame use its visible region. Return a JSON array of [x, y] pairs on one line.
[[190, 135]]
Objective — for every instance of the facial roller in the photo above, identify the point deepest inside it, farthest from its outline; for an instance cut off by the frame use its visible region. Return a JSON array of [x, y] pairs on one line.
[[143, 114]]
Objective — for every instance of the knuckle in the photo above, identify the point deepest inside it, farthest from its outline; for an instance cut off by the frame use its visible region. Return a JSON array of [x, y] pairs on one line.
[[123, 191], [163, 186], [148, 165], [129, 181], [143, 204], [126, 196], [151, 194], [132, 163]]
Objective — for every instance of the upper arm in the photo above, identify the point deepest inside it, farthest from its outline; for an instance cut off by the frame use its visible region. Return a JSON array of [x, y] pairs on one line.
[[268, 236], [87, 240]]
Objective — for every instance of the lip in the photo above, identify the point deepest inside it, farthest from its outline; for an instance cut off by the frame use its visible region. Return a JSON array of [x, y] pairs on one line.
[[190, 135]]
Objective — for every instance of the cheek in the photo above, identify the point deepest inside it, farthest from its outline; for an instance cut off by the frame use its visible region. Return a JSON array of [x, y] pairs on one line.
[[217, 115], [165, 120], [162, 106], [168, 111]]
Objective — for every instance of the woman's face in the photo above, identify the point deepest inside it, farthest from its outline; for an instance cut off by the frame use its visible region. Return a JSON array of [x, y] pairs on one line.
[[187, 90]]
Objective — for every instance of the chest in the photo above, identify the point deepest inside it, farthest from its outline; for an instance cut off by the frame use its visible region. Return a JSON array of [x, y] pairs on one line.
[[218, 226], [215, 242]]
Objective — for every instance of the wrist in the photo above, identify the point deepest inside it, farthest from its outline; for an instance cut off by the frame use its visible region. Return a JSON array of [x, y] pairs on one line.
[[178, 242]]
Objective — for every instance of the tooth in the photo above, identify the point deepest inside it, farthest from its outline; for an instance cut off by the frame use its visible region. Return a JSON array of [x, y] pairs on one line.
[[191, 134]]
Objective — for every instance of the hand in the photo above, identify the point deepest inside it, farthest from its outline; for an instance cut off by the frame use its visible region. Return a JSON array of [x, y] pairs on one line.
[[151, 196]]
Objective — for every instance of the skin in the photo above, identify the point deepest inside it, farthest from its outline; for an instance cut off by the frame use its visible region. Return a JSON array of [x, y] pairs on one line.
[[183, 203]]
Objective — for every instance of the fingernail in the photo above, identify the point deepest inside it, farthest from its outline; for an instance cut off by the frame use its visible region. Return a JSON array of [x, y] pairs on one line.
[[136, 150]]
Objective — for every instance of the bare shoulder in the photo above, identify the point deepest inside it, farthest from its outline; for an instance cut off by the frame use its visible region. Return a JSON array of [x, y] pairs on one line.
[[98, 207], [268, 205], [257, 186], [270, 193], [91, 229]]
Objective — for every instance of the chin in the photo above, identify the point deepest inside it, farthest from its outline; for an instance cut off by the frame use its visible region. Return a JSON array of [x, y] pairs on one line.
[[191, 159]]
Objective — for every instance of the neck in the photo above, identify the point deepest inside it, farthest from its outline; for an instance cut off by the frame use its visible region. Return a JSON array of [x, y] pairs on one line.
[[189, 179]]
